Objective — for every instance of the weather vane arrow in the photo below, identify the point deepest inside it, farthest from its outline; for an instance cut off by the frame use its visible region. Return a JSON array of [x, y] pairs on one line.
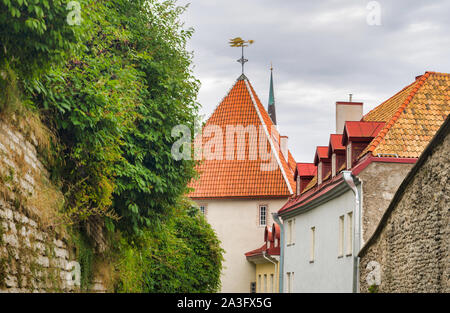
[[239, 42]]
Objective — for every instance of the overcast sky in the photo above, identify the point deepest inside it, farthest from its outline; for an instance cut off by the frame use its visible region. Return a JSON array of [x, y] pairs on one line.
[[321, 51]]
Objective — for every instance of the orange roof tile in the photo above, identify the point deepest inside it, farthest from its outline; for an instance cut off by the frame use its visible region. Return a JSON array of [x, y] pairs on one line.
[[410, 119], [243, 178], [412, 116]]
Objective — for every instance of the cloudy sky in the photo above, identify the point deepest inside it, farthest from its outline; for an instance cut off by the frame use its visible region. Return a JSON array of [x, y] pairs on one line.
[[321, 51]]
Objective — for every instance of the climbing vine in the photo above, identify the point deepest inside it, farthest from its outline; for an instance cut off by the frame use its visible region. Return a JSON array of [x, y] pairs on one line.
[[110, 90]]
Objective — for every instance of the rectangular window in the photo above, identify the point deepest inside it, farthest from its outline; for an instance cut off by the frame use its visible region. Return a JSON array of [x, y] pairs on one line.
[[291, 287], [313, 244], [262, 215], [265, 283], [203, 209], [333, 164], [298, 185], [349, 233], [288, 282], [271, 283], [259, 284], [341, 236], [290, 230], [349, 155]]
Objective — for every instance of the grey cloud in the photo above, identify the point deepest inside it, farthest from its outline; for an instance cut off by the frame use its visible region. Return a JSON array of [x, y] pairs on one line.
[[321, 51]]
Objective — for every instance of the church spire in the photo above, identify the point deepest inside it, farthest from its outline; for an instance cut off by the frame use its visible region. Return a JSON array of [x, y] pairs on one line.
[[271, 105]]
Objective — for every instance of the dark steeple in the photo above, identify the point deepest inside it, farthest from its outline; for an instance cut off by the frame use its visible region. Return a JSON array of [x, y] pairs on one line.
[[271, 106]]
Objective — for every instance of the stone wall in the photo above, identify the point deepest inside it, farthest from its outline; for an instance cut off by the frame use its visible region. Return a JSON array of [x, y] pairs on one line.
[[380, 180], [411, 244], [34, 255]]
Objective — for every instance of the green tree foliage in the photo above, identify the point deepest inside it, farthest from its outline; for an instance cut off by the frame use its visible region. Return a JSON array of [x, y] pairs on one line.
[[180, 254], [125, 82], [34, 34], [116, 103]]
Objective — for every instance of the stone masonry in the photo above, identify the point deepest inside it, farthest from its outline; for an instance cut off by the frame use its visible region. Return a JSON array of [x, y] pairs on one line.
[[33, 258], [411, 245]]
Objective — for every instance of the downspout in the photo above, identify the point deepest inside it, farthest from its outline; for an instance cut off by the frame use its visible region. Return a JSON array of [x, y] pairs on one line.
[[276, 218], [268, 259], [350, 180]]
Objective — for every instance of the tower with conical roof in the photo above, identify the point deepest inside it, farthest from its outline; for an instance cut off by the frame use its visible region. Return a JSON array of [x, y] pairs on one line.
[[238, 190]]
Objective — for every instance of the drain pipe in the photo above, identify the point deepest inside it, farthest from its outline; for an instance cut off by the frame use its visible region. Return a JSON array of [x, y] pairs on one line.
[[276, 218], [350, 180], [264, 254]]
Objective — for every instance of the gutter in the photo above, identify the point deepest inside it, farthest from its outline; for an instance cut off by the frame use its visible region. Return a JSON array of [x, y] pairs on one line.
[[350, 180], [276, 218], [268, 259]]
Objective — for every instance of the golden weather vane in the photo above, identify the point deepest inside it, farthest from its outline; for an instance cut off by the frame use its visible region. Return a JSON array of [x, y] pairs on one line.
[[239, 42]]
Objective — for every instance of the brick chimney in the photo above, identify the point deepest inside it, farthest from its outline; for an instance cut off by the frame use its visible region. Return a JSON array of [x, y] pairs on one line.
[[347, 111]]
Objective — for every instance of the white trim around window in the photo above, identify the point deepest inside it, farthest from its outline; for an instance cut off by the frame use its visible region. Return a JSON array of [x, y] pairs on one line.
[[349, 233], [341, 236], [263, 215], [203, 207], [312, 245]]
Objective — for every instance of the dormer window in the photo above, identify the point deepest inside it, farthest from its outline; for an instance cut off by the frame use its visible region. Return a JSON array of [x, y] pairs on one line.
[[349, 155], [319, 173], [333, 164]]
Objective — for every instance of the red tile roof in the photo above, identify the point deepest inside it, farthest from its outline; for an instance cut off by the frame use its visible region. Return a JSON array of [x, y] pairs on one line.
[[321, 153], [358, 129], [244, 178], [336, 142], [305, 169], [268, 238], [401, 126]]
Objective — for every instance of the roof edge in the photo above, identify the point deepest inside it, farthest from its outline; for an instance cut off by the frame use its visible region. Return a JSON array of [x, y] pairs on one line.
[[275, 152], [376, 141]]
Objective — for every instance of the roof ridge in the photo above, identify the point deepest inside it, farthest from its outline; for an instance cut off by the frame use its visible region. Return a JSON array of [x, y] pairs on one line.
[[226, 95], [439, 73], [414, 82], [275, 152], [419, 83]]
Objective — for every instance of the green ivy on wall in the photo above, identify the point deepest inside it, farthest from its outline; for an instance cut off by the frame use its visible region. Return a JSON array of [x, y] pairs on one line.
[[110, 90]]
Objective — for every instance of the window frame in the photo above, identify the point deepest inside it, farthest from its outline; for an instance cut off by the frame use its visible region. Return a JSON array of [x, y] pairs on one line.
[[205, 208], [349, 250], [288, 282], [265, 283], [341, 237], [291, 232], [265, 214], [259, 284], [312, 254], [272, 283]]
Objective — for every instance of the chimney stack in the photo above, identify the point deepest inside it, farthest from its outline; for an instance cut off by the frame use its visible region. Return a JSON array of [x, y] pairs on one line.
[[347, 111]]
